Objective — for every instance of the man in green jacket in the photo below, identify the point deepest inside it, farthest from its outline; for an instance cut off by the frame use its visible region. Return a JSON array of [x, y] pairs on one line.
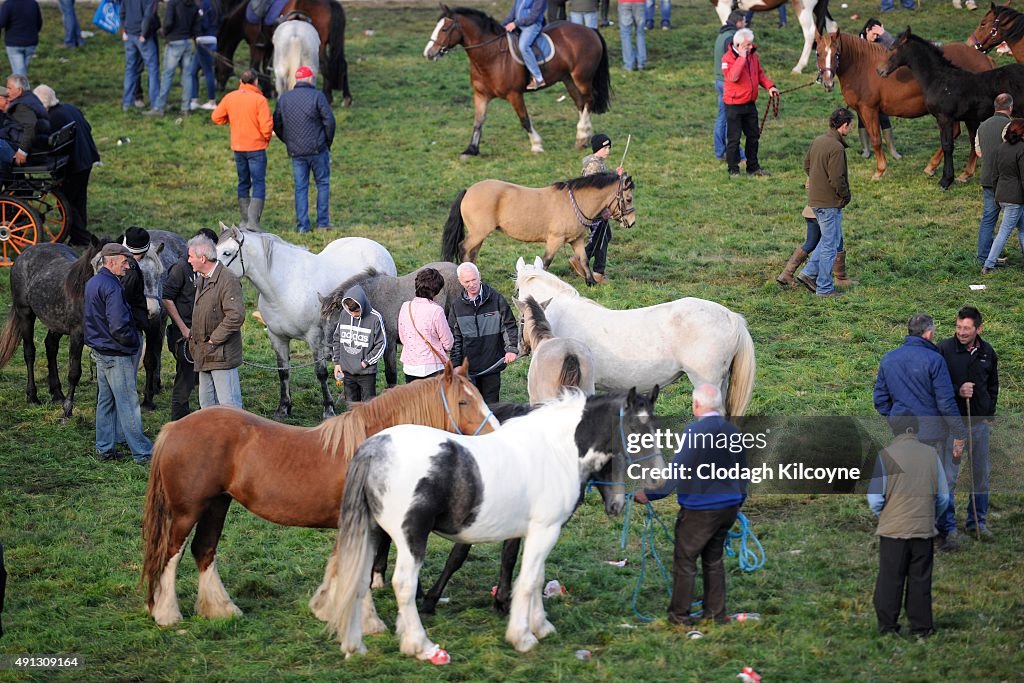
[[828, 191]]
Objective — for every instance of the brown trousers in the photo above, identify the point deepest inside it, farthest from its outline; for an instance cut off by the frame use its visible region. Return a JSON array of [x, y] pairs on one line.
[[700, 534]]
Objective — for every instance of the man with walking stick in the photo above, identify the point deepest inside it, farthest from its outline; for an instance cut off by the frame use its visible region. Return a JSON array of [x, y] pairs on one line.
[[974, 370]]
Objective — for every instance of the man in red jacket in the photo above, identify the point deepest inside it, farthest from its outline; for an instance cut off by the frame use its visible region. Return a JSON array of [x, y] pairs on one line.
[[743, 74]]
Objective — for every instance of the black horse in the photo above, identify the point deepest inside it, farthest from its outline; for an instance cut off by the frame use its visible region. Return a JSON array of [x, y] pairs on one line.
[[952, 94]]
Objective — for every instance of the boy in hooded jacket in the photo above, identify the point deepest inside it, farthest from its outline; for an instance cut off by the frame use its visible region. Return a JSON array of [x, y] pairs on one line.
[[358, 343]]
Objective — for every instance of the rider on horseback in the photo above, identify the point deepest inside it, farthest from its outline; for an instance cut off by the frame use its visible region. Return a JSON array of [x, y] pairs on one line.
[[528, 17]]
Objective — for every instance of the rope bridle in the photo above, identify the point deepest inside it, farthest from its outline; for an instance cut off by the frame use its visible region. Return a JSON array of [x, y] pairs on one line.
[[451, 418], [622, 209], [450, 45]]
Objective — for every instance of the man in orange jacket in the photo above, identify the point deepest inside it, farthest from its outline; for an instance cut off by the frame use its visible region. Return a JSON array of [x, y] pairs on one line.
[[743, 74], [247, 111]]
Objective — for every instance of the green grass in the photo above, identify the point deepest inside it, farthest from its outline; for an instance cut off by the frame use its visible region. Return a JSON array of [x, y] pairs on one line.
[[71, 524]]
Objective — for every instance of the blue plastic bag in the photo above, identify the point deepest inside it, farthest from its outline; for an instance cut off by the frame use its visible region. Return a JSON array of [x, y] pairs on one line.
[[108, 16]]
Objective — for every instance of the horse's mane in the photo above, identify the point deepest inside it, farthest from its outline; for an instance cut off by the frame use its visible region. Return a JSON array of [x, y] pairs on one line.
[[539, 322], [597, 181], [81, 271], [1011, 26], [931, 48], [416, 403], [486, 21], [851, 42], [332, 303]]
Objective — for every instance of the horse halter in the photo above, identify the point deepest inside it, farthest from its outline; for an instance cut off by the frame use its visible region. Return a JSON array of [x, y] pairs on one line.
[[831, 71], [449, 45], [620, 201], [992, 36], [240, 238], [451, 418]]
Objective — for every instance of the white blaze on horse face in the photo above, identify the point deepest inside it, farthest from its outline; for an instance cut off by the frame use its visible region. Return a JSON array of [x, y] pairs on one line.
[[433, 39]]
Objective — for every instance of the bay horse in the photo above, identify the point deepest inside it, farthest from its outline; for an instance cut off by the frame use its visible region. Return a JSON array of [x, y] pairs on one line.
[[555, 362], [521, 481], [291, 281], [561, 213], [292, 476], [812, 15], [644, 347], [853, 61], [580, 61], [1001, 24], [387, 294], [952, 94], [327, 16]]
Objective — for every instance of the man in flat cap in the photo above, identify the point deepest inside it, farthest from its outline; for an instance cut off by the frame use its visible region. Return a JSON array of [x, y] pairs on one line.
[[110, 333], [601, 234]]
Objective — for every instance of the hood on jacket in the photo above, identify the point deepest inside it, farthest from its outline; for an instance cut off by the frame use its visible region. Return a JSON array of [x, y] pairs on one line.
[[356, 294]]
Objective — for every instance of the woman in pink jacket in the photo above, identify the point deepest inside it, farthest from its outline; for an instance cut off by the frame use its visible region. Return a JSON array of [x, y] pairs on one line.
[[423, 329]]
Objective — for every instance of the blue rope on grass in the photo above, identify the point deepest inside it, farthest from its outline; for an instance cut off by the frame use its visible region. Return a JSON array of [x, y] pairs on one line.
[[751, 559]]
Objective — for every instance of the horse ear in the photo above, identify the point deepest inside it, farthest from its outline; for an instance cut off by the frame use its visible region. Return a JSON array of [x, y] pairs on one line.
[[159, 248], [544, 304], [520, 264], [631, 397], [463, 369], [538, 263], [654, 394]]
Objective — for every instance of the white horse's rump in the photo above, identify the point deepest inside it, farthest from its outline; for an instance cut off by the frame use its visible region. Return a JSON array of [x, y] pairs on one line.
[[805, 14], [296, 43], [654, 345]]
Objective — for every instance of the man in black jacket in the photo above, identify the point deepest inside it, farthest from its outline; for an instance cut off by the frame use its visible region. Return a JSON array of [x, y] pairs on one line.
[[27, 125], [974, 369], [485, 332], [181, 27], [304, 122]]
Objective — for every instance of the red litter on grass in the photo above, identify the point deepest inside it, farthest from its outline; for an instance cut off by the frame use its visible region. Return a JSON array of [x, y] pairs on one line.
[[441, 657], [745, 616], [748, 675]]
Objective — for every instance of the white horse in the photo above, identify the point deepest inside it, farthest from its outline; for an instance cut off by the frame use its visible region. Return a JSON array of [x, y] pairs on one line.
[[555, 362], [291, 281], [521, 481], [654, 345], [805, 10], [296, 43]]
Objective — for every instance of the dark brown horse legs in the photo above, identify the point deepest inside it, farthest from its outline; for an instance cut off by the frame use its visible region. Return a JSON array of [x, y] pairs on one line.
[[321, 375], [52, 344], [479, 116], [457, 557], [509, 553], [212, 601]]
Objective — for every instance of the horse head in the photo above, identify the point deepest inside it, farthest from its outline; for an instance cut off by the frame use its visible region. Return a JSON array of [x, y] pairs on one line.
[[828, 49], [466, 409], [898, 55], [533, 280], [995, 28], [623, 210], [229, 249], [447, 34]]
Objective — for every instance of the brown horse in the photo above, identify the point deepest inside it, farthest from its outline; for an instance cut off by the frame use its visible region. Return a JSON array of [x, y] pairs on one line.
[[288, 475], [561, 213], [1001, 24], [580, 61], [854, 61], [327, 16]]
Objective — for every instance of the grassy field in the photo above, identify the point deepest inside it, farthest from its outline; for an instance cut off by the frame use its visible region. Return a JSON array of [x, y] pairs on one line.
[[71, 524]]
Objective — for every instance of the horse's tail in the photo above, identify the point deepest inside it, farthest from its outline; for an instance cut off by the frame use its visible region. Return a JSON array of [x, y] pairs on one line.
[[741, 375], [571, 374], [156, 521], [337, 69], [10, 339], [601, 88], [354, 556], [454, 232]]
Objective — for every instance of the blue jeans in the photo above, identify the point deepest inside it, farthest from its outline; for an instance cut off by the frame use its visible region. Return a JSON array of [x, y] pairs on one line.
[[138, 52], [206, 47], [890, 5], [220, 388], [989, 218], [72, 31], [117, 406], [819, 265], [6, 154], [1013, 217], [19, 57], [252, 173], [177, 53], [631, 17], [814, 236], [528, 34], [666, 13], [320, 165], [588, 19], [980, 469]]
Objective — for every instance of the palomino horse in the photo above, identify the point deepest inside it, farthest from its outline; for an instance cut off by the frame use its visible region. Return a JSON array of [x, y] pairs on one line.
[[327, 16], [555, 362], [854, 61], [952, 94], [288, 475], [643, 347], [291, 281], [1001, 24], [387, 294], [37, 278], [580, 61], [561, 213], [812, 14], [296, 43], [521, 481]]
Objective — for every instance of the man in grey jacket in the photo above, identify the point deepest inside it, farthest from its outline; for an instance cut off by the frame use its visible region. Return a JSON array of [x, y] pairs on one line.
[[989, 137]]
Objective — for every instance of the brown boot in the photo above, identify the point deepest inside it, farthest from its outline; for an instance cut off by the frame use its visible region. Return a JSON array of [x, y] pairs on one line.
[[785, 278], [839, 271]]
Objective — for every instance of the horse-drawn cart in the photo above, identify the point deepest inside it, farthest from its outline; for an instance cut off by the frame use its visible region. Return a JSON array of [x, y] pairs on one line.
[[32, 208]]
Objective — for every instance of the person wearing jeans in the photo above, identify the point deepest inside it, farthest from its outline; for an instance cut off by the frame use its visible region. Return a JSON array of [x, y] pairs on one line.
[[181, 26], [988, 138], [319, 165], [735, 22], [20, 22], [138, 31], [72, 30], [584, 13], [1007, 173], [666, 14], [631, 20], [206, 48], [528, 17]]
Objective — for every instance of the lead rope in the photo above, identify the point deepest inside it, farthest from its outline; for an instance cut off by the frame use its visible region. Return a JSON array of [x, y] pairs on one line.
[[774, 99]]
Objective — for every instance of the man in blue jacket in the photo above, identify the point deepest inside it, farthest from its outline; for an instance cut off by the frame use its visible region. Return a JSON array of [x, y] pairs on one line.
[[110, 333], [139, 24], [304, 122], [707, 507], [20, 22], [528, 17]]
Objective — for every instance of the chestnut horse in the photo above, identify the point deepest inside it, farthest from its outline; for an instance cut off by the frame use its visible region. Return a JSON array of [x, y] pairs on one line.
[[288, 475], [561, 213], [580, 61], [854, 61], [1001, 24]]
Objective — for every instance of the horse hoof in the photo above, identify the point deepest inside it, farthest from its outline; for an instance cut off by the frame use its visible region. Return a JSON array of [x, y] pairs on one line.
[[962, 179], [537, 150], [282, 413], [148, 405], [798, 69], [465, 157], [346, 102], [929, 171]]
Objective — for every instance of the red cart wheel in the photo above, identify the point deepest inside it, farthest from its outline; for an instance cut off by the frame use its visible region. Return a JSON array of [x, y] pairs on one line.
[[52, 207], [19, 228]]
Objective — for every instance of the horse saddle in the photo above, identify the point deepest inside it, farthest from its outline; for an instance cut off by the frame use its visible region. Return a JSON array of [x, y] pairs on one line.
[[543, 48], [267, 11]]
